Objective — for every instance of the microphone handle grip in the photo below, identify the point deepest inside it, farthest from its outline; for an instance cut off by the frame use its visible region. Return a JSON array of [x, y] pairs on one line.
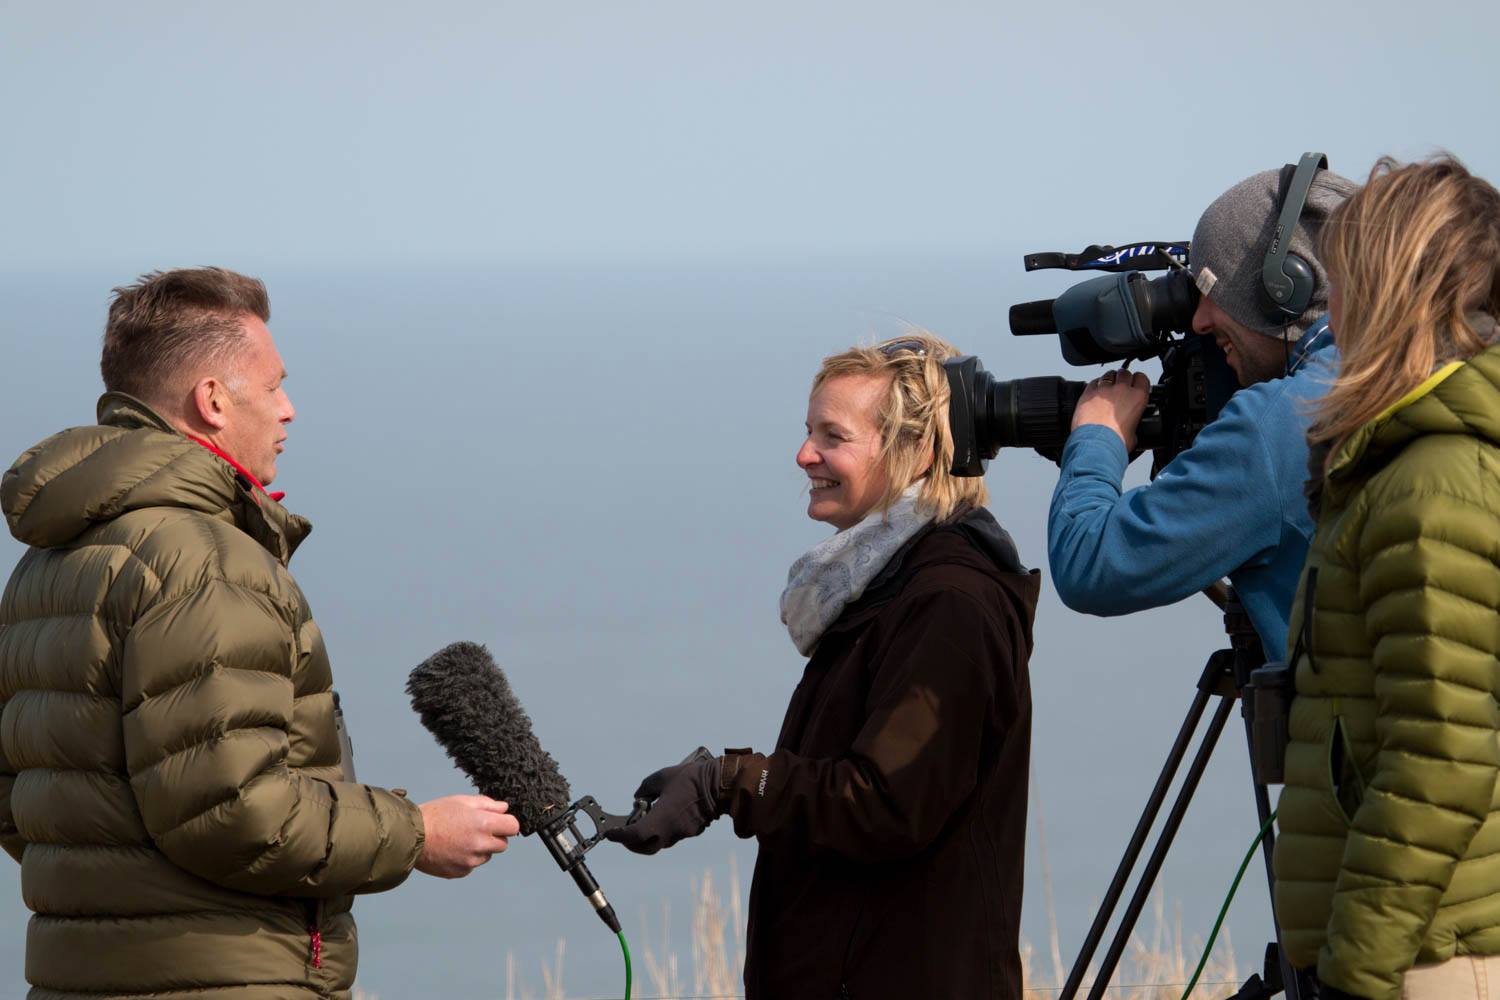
[[589, 886]]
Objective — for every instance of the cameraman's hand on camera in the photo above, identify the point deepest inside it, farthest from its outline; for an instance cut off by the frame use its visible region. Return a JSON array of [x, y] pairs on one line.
[[1115, 400]]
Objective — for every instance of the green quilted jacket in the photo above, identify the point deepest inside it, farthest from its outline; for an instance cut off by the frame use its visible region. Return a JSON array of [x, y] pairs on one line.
[[1389, 847], [171, 774]]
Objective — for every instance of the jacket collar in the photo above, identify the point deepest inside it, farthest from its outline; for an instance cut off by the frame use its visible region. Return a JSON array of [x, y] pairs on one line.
[[257, 513], [1314, 341], [254, 511], [117, 409], [131, 460], [1458, 398]]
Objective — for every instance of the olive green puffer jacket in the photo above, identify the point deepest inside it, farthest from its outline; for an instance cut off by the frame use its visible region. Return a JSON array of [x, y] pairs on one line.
[[1389, 849], [171, 777]]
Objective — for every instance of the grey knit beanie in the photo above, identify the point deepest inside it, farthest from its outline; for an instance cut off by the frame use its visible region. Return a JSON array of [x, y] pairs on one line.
[[1231, 240]]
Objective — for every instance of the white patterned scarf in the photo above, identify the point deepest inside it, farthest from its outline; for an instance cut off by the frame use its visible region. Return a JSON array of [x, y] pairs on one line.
[[834, 573]]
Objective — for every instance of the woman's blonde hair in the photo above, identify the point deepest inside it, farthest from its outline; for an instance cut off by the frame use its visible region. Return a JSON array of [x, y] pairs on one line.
[[1414, 254], [912, 418]]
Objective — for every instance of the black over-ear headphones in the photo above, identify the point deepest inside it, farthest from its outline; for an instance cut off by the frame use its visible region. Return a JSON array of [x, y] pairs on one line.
[[1287, 282]]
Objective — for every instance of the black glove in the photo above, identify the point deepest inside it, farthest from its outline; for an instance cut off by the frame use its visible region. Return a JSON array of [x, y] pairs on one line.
[[1326, 992], [684, 799]]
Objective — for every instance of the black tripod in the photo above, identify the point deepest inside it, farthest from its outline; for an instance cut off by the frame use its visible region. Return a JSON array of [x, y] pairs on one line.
[[1225, 676]]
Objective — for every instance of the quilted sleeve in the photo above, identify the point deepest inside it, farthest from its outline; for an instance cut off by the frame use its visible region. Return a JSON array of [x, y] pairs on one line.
[[207, 693], [1430, 589]]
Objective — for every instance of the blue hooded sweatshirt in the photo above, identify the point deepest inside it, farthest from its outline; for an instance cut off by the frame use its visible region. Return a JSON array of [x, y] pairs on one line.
[[1231, 505]]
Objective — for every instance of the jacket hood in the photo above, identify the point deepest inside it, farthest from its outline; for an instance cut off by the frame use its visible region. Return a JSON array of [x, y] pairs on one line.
[[132, 459], [971, 538], [982, 531], [1461, 398]]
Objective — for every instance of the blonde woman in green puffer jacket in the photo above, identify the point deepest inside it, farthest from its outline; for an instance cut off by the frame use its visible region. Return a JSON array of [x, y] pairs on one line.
[[1388, 861]]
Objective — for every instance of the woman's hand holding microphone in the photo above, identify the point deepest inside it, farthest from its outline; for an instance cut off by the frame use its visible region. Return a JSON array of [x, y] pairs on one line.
[[673, 804]]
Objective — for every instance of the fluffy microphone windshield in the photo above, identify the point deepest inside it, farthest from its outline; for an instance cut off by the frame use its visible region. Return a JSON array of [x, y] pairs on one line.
[[465, 701]]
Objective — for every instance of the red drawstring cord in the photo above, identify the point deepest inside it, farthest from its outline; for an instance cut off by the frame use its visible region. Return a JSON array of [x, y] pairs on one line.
[[316, 936]]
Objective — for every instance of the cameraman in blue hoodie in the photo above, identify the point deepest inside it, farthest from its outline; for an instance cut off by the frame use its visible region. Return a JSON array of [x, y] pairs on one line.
[[1232, 504]]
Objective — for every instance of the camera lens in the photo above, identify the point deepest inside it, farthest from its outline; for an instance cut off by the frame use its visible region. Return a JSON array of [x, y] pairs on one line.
[[1032, 412], [985, 414]]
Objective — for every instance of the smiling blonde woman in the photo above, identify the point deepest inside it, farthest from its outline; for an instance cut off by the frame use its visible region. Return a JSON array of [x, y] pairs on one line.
[[892, 814]]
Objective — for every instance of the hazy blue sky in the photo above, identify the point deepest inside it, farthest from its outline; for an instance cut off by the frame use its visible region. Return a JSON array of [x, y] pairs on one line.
[[551, 282]]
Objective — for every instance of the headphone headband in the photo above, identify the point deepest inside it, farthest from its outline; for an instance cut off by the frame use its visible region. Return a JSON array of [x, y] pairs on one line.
[[1286, 279]]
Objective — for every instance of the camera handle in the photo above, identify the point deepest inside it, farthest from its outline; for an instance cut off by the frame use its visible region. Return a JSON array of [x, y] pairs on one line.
[[1224, 676]]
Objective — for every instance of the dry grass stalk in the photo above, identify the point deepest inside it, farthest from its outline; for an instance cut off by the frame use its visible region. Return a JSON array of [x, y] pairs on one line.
[[1041, 842], [737, 919], [552, 980], [1156, 966], [660, 971], [714, 970], [1155, 971]]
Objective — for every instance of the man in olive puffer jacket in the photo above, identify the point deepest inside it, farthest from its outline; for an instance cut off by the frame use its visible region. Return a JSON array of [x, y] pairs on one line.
[[173, 774]]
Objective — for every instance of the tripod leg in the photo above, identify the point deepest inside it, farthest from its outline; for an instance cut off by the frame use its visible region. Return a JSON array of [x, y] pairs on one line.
[[1163, 844], [1290, 977], [1137, 841]]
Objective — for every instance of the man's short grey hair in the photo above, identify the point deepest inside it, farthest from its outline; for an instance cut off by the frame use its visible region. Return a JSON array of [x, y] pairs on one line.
[[171, 321]]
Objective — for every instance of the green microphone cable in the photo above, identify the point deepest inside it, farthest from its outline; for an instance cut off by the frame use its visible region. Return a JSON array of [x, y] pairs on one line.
[[1213, 935], [625, 950]]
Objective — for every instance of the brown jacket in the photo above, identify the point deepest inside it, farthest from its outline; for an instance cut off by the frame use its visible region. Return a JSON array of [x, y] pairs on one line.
[[892, 815], [172, 777]]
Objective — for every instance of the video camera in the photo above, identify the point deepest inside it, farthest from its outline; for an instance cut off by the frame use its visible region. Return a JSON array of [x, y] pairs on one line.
[[1119, 316]]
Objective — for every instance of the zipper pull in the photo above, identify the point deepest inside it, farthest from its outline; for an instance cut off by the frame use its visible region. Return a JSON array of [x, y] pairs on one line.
[[315, 939]]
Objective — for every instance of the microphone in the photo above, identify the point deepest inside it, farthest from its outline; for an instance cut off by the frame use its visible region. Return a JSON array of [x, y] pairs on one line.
[[465, 701]]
